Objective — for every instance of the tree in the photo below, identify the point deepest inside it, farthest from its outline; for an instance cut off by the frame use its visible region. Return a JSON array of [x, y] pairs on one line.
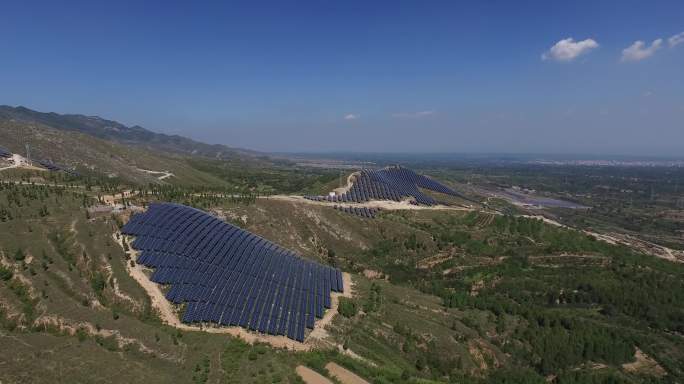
[[347, 307], [19, 255], [5, 273], [420, 363], [331, 257]]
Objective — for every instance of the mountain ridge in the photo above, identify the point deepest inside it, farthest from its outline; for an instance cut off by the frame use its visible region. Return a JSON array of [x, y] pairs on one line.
[[131, 135]]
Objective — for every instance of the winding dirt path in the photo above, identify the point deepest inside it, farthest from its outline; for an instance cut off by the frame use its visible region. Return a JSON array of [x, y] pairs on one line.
[[319, 332], [660, 251], [164, 174], [644, 364], [350, 182], [382, 204]]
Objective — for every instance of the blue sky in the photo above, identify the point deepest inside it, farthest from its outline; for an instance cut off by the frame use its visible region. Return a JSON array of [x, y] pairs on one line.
[[396, 76]]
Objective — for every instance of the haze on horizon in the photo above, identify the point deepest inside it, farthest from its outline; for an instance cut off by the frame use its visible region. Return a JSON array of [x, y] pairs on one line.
[[543, 77]]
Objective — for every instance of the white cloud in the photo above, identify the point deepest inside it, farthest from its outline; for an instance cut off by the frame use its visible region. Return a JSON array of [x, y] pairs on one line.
[[639, 50], [676, 39], [413, 115], [351, 116], [569, 49]]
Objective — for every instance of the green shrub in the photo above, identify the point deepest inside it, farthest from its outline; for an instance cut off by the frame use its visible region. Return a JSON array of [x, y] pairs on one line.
[[347, 307], [19, 255], [5, 273]]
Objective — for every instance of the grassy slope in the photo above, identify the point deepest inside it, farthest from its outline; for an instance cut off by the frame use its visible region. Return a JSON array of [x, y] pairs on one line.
[[523, 272], [645, 202], [405, 332], [64, 254]]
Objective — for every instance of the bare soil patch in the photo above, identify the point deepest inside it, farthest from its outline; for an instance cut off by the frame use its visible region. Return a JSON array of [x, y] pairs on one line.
[[350, 182], [382, 204], [310, 376], [374, 275], [319, 331], [161, 175], [344, 375], [644, 364]]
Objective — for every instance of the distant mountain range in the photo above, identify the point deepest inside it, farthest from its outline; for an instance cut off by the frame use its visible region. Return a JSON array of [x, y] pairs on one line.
[[96, 146], [115, 131]]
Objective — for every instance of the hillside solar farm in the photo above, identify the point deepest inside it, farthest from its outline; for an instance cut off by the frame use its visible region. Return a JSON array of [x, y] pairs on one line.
[[229, 276], [151, 265], [45, 164], [394, 183], [51, 166], [347, 192]]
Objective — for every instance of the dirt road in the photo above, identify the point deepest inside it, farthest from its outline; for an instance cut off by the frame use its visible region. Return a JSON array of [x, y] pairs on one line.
[[382, 204], [319, 332], [343, 375], [350, 182], [647, 247], [644, 364], [164, 174], [310, 376]]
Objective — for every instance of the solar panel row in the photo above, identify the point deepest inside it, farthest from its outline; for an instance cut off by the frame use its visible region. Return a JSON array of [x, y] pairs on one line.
[[4, 153], [365, 212], [390, 183], [229, 276], [50, 166]]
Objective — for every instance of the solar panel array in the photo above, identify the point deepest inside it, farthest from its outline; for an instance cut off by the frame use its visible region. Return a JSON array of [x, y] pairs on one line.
[[4, 153], [365, 212], [390, 183], [47, 164], [50, 166], [229, 276]]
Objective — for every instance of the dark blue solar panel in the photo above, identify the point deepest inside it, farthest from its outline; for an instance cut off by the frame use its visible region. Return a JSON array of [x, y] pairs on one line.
[[5, 153], [340, 281]]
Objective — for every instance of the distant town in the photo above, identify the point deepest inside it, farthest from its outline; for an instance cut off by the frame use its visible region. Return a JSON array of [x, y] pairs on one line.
[[613, 163]]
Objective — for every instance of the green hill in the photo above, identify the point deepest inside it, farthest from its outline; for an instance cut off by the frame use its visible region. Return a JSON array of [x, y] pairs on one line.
[[94, 156], [102, 148]]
